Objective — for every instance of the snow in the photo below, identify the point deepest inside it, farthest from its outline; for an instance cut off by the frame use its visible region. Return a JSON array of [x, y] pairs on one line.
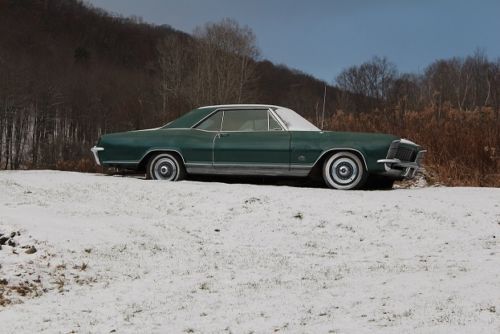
[[136, 256]]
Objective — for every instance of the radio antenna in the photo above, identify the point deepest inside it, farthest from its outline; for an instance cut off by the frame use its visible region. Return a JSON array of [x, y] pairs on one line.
[[323, 114]]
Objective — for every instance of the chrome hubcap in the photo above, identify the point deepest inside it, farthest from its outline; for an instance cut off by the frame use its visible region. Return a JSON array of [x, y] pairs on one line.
[[344, 171], [165, 169]]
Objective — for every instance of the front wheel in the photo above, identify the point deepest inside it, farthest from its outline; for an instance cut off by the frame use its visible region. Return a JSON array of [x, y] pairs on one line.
[[345, 171], [165, 167]]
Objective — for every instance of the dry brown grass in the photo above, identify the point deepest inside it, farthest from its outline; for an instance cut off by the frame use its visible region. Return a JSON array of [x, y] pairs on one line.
[[463, 146], [86, 165]]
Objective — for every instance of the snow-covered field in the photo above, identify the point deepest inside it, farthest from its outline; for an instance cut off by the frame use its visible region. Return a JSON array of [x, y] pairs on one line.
[[125, 255]]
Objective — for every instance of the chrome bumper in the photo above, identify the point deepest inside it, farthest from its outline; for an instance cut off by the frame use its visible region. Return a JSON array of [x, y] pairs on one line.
[[95, 150], [405, 169]]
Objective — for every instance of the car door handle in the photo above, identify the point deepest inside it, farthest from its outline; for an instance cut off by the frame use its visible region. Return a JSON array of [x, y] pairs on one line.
[[223, 134]]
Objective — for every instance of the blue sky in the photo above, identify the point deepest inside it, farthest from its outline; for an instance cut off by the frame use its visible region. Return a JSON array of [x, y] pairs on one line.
[[323, 37]]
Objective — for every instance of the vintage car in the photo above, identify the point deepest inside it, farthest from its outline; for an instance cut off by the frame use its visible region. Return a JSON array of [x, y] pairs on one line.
[[262, 140]]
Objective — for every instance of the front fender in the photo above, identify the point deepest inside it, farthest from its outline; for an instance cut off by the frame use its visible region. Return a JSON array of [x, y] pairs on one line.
[[308, 147]]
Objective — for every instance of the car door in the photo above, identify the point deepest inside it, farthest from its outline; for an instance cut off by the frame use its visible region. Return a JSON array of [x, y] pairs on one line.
[[251, 142], [198, 144]]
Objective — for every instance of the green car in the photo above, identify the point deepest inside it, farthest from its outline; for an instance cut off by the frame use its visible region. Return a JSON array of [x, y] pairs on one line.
[[262, 140]]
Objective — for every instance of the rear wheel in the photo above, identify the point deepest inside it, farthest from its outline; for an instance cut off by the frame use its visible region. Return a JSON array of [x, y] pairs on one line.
[[165, 167], [344, 170]]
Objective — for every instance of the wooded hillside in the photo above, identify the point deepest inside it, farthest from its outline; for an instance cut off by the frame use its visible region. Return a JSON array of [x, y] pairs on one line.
[[69, 73]]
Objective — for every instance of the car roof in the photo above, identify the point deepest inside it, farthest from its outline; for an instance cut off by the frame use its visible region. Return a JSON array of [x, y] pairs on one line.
[[240, 106], [194, 116], [290, 118]]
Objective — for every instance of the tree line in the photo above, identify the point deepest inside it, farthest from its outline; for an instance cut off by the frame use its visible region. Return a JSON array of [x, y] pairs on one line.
[[463, 83], [452, 109], [70, 72]]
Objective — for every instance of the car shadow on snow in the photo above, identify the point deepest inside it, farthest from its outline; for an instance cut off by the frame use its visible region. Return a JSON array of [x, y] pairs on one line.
[[300, 182], [256, 180]]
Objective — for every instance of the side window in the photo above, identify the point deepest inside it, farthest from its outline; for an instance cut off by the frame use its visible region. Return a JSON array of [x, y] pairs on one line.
[[212, 123], [273, 124], [245, 120]]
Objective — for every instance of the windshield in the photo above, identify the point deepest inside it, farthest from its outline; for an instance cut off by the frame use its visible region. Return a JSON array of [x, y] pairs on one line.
[[295, 122]]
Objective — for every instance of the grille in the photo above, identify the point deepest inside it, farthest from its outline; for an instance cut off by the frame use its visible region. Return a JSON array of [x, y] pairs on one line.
[[401, 153], [393, 150], [405, 154]]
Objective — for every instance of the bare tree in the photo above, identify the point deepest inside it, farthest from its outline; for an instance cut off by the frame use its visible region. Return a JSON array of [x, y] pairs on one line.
[[225, 62], [494, 88], [372, 79], [173, 55]]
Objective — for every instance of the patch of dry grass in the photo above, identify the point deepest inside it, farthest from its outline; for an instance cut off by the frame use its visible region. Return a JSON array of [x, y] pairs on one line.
[[463, 147]]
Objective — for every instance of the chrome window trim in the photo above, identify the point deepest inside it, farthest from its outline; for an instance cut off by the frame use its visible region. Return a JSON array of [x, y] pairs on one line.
[[269, 110], [240, 106], [203, 119], [260, 131], [204, 130], [279, 120], [207, 117], [293, 111], [236, 109], [272, 114]]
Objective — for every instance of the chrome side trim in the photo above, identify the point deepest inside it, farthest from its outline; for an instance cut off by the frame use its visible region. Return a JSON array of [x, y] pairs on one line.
[[94, 151], [136, 162], [249, 165], [162, 150], [250, 170], [342, 149], [122, 162]]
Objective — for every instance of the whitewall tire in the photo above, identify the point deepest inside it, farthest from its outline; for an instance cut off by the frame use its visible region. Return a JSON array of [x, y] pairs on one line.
[[165, 167], [344, 171]]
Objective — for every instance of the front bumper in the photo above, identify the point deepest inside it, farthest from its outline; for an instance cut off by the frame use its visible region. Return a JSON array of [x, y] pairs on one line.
[[402, 169], [95, 150]]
